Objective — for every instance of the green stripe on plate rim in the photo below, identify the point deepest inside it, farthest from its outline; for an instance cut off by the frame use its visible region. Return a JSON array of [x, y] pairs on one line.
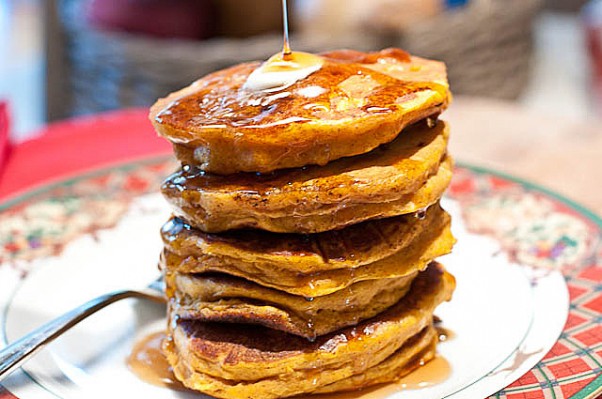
[[591, 390], [588, 392]]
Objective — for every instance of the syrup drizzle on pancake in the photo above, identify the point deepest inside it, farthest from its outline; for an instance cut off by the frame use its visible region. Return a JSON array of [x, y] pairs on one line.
[[280, 92]]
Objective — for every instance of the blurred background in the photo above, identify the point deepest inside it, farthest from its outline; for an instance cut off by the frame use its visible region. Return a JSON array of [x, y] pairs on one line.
[[61, 58], [526, 74]]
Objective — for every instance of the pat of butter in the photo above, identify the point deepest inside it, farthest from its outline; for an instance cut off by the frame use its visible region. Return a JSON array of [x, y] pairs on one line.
[[280, 72]]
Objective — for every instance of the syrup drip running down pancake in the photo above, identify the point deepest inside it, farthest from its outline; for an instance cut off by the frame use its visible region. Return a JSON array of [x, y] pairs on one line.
[[350, 105]]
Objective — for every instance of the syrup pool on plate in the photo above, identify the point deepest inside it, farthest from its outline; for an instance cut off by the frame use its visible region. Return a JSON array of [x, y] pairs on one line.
[[148, 362]]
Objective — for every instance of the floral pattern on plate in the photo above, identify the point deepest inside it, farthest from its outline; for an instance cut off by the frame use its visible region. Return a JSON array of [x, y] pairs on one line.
[[46, 221], [544, 231]]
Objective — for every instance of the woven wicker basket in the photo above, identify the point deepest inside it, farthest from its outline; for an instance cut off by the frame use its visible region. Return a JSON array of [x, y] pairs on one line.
[[487, 47]]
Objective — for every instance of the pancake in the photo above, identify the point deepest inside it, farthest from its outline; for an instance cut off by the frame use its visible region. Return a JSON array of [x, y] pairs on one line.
[[408, 174], [434, 241], [223, 298], [246, 361], [351, 247], [351, 105]]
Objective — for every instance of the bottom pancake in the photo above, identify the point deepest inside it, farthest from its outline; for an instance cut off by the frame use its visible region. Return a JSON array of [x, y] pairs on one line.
[[253, 362]]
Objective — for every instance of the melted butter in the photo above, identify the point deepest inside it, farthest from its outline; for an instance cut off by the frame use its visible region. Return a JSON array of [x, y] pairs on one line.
[[149, 364], [282, 70]]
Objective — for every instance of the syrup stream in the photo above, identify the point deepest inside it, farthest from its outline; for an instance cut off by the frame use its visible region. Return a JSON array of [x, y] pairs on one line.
[[286, 48]]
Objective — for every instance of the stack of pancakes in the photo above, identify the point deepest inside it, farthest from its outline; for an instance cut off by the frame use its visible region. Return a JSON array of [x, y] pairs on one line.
[[300, 257]]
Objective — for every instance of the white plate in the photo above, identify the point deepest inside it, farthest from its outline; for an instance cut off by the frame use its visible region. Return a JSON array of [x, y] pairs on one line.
[[504, 317]]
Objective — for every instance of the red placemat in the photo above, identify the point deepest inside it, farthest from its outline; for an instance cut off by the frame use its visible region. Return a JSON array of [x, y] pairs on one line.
[[73, 146], [4, 394], [4, 131]]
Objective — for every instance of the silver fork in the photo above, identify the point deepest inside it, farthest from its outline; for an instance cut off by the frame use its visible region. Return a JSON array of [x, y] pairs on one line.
[[15, 354]]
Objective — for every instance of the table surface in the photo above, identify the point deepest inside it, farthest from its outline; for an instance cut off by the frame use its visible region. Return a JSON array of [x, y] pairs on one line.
[[560, 154]]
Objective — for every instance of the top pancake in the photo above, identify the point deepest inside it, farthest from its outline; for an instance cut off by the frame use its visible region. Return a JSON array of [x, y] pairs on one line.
[[351, 105]]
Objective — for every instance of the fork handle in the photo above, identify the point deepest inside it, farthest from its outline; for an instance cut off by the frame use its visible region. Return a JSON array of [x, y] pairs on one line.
[[15, 354]]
